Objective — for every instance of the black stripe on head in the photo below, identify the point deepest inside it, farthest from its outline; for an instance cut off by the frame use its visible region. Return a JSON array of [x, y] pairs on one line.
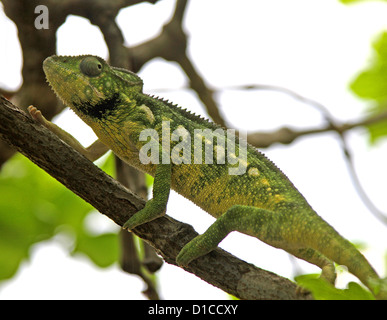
[[101, 109]]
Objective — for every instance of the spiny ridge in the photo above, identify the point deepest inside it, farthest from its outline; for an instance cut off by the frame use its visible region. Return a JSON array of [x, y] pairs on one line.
[[188, 114]]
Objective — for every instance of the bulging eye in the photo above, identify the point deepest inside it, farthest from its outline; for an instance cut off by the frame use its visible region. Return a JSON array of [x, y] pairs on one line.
[[91, 67]]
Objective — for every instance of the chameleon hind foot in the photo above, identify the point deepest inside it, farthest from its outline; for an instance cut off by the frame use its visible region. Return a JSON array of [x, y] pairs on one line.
[[379, 288], [197, 247], [328, 273], [236, 218], [37, 115]]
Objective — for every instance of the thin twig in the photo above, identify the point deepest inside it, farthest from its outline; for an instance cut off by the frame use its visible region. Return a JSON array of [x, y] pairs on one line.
[[340, 130]]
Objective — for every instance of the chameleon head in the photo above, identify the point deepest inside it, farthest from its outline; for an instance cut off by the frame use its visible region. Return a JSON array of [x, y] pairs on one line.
[[87, 84]]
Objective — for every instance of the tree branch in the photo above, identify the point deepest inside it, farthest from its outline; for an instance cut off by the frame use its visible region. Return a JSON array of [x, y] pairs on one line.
[[165, 234]]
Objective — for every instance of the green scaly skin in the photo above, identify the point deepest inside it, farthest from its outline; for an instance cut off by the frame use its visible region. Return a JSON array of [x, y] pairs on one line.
[[261, 202]]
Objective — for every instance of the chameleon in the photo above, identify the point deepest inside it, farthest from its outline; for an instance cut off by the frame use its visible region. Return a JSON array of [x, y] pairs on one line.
[[233, 182]]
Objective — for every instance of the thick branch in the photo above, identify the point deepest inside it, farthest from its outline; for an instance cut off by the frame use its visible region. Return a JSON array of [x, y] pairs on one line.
[[166, 235]]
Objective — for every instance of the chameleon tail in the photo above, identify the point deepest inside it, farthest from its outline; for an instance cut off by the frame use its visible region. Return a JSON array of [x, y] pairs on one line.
[[343, 252]]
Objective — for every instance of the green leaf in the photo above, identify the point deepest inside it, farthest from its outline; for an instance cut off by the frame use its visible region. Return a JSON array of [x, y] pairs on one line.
[[107, 164], [354, 1], [23, 221], [34, 207], [377, 131], [102, 249], [371, 84], [148, 180], [322, 290]]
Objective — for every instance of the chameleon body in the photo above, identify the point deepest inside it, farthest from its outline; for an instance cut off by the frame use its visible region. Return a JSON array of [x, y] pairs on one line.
[[259, 201]]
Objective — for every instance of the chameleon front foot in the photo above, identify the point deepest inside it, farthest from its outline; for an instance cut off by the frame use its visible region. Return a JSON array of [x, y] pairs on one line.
[[129, 225]]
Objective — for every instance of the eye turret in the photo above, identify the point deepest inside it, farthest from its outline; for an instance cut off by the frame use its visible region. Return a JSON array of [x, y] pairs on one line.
[[91, 66]]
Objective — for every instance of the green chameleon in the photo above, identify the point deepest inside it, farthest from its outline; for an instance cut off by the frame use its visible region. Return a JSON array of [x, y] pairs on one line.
[[229, 179]]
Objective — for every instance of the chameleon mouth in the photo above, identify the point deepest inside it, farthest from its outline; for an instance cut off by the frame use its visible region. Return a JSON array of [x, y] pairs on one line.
[[60, 75], [57, 76]]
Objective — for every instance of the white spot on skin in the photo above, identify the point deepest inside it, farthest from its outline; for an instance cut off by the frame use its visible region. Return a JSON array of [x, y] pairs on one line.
[[148, 113], [254, 172]]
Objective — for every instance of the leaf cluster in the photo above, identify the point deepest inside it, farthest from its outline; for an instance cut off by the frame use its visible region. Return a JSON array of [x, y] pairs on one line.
[[371, 84], [34, 207], [322, 290]]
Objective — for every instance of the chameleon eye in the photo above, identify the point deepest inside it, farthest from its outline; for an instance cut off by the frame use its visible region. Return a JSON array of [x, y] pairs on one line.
[[91, 67]]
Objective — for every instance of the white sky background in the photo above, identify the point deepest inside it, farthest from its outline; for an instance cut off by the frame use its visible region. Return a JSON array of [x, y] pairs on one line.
[[314, 48]]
